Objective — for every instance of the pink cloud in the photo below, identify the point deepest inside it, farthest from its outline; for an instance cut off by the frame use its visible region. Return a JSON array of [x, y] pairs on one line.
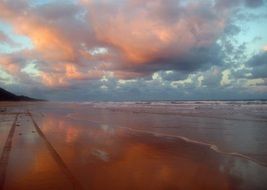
[[136, 34], [10, 65], [137, 31]]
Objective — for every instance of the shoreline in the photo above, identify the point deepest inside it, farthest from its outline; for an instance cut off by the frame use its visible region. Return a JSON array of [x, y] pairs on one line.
[[100, 149]]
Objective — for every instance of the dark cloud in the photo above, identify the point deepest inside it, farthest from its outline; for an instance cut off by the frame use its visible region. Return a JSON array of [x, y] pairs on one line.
[[254, 3], [258, 64], [197, 59], [56, 11], [212, 77], [172, 75], [232, 29], [6, 40], [226, 4]]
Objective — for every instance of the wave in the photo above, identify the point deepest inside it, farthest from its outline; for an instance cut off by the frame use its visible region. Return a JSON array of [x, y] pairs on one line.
[[213, 147], [210, 146]]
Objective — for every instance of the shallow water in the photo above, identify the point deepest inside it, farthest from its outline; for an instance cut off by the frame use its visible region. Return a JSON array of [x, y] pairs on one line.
[[134, 147]]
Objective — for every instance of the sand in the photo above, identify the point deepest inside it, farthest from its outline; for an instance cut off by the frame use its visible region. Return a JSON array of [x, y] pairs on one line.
[[77, 146]]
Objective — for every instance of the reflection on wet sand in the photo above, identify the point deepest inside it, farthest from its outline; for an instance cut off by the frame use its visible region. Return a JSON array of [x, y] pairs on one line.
[[100, 151], [30, 166], [103, 157]]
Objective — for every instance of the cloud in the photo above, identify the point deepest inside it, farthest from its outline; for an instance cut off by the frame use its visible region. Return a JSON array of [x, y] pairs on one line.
[[97, 43], [212, 77], [12, 63], [254, 3], [173, 75], [148, 31], [258, 64], [4, 39], [141, 37], [226, 4]]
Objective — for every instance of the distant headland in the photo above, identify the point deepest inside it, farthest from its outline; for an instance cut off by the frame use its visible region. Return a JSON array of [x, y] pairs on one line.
[[8, 96]]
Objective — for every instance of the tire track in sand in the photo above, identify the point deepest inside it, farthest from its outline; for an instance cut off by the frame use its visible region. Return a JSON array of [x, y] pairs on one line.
[[5, 153], [63, 167]]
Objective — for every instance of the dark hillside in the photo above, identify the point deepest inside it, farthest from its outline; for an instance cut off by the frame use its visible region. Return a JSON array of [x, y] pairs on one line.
[[8, 96]]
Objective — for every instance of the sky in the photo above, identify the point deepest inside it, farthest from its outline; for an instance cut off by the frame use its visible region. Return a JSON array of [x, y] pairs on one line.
[[120, 50]]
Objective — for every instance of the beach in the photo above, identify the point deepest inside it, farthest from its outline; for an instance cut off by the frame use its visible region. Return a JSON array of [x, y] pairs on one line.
[[133, 145]]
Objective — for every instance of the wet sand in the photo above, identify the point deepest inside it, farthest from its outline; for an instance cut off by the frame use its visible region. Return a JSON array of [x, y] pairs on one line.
[[65, 146]]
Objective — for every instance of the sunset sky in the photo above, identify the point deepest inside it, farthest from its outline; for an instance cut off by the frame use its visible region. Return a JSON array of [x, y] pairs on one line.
[[79, 50]]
